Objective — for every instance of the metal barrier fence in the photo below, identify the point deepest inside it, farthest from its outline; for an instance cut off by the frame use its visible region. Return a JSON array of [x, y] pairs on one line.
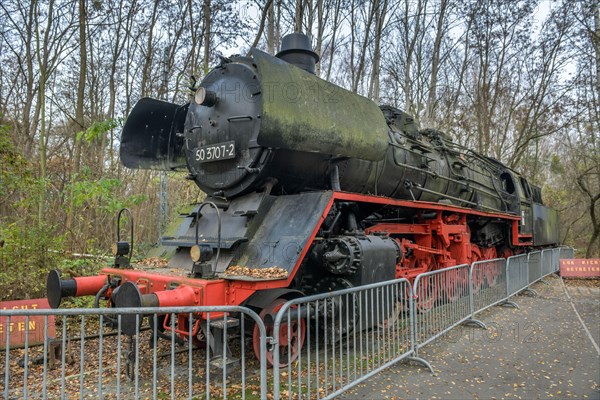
[[548, 261], [442, 301], [88, 359], [517, 274], [535, 266], [325, 344], [556, 260], [566, 252], [488, 284], [320, 345], [348, 336]]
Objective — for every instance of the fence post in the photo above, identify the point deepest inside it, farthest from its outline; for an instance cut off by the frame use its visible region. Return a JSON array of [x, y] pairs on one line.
[[509, 279], [412, 317], [472, 319], [471, 290], [263, 357], [274, 343]]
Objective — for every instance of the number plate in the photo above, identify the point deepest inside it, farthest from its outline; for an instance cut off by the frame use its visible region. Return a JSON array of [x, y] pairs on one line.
[[215, 152]]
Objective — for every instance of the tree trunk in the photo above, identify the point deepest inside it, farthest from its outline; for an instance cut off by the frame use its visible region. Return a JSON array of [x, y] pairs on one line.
[[359, 75], [320, 29], [146, 78], [207, 28], [270, 26], [299, 15], [261, 27], [79, 116], [42, 60], [435, 62], [333, 43], [596, 40], [411, 56], [380, 15]]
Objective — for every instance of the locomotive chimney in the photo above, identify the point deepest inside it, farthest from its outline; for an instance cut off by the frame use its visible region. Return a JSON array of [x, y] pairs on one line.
[[297, 50]]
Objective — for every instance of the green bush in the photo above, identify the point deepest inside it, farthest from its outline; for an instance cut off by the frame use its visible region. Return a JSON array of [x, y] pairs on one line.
[[25, 259]]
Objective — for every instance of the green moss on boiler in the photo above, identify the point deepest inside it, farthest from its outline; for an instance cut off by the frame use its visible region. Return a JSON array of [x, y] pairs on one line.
[[305, 113]]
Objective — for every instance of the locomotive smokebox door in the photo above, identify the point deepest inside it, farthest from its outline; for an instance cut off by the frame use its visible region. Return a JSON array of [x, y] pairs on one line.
[[150, 137], [221, 128]]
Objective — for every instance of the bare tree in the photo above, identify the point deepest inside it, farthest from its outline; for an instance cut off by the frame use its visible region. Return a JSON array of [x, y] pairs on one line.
[[440, 32]]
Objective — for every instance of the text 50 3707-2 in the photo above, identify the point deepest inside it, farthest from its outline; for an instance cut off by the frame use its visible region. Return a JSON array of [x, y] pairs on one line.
[[215, 152]]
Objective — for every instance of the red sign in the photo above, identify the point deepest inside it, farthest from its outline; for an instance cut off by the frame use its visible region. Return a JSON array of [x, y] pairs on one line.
[[580, 268], [20, 326]]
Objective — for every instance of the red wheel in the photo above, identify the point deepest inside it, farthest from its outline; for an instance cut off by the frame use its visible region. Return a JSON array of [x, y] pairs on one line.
[[478, 273], [291, 336], [491, 274], [478, 279], [453, 285], [426, 295], [505, 252], [489, 253]]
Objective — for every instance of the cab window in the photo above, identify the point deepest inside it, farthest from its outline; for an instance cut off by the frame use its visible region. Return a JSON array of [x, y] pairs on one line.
[[507, 182], [526, 189]]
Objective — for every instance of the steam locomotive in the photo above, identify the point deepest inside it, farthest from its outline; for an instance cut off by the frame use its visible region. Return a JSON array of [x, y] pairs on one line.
[[315, 186]]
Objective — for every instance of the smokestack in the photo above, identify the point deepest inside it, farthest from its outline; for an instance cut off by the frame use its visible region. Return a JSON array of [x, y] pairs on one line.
[[297, 50]]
